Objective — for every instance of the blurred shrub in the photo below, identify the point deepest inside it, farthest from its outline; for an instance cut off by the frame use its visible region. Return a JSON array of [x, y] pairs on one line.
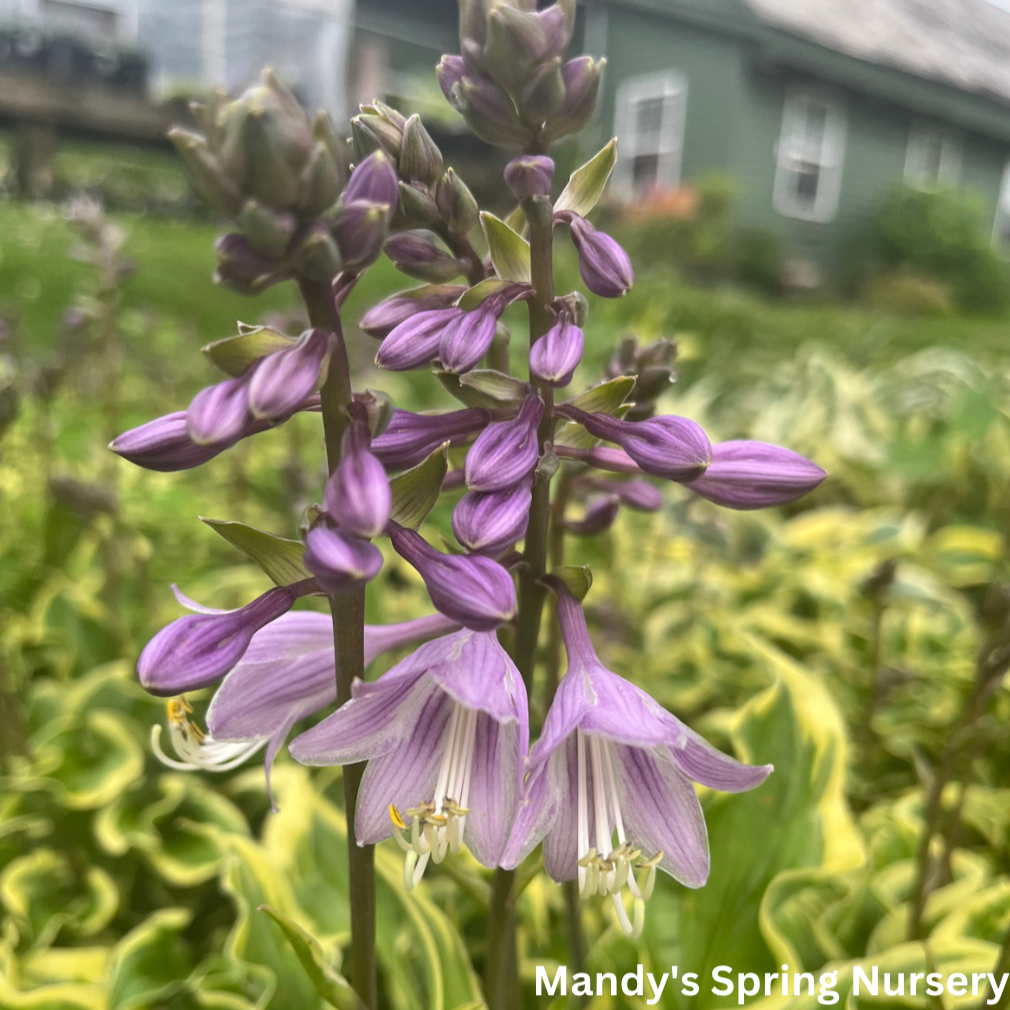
[[909, 293], [944, 235]]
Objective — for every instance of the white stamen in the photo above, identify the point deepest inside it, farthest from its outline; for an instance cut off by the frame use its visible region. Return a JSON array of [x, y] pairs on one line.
[[602, 868], [437, 827], [196, 750]]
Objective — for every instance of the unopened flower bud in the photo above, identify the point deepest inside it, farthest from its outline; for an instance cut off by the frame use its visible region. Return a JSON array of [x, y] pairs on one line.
[[518, 41], [220, 412], [242, 269], [374, 181], [381, 320], [456, 204], [603, 264], [486, 108], [545, 95], [208, 178], [469, 337], [674, 448], [415, 342], [755, 475], [417, 207], [581, 79], [359, 230], [556, 355], [505, 452], [321, 181], [164, 445], [284, 379], [317, 254], [473, 590], [420, 158], [409, 438], [529, 175], [269, 232], [340, 562], [379, 127], [358, 497], [492, 523], [599, 516], [416, 254], [199, 649]]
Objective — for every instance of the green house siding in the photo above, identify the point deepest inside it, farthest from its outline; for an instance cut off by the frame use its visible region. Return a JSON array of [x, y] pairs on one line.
[[738, 81]]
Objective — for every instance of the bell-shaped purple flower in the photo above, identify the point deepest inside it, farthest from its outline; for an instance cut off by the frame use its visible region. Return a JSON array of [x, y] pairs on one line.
[[506, 451], [491, 523], [473, 591], [755, 475], [414, 343], [603, 265], [529, 175], [340, 562], [199, 649], [358, 496], [469, 337], [285, 378], [612, 762], [219, 413], [444, 733], [286, 674], [408, 437], [381, 320], [674, 448], [556, 355]]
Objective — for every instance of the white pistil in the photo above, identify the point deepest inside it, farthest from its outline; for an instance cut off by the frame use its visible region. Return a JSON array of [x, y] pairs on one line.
[[437, 826], [602, 868], [197, 750]]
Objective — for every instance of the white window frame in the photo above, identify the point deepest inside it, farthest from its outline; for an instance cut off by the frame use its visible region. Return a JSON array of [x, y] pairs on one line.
[[670, 87], [830, 159], [951, 156], [1001, 244]]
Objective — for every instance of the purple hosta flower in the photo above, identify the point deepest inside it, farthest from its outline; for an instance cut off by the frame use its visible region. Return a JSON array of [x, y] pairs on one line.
[[340, 562], [469, 337], [556, 355], [610, 761], [444, 734], [360, 230], [603, 264], [374, 181], [283, 380], [198, 649], [408, 437], [220, 412], [286, 674], [674, 448], [529, 175], [634, 494], [381, 320], [491, 523], [755, 475], [506, 451], [358, 497], [414, 343], [600, 515], [473, 591]]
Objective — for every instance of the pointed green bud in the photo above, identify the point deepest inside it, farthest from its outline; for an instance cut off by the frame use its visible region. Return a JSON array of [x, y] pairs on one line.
[[420, 158], [456, 204], [416, 207], [210, 182], [547, 96], [369, 134], [320, 183], [317, 255], [582, 86], [268, 231]]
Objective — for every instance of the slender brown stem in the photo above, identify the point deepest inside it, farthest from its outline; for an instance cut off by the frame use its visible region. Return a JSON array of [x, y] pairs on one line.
[[348, 611], [498, 982], [993, 661]]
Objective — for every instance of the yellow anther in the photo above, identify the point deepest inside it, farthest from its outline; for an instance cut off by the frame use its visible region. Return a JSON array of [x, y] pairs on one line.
[[397, 818], [421, 812], [455, 810], [198, 734], [178, 709], [648, 863]]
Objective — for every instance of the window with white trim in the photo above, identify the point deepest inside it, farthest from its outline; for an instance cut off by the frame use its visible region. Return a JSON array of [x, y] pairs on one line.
[[933, 159], [811, 151], [1001, 226], [650, 130]]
